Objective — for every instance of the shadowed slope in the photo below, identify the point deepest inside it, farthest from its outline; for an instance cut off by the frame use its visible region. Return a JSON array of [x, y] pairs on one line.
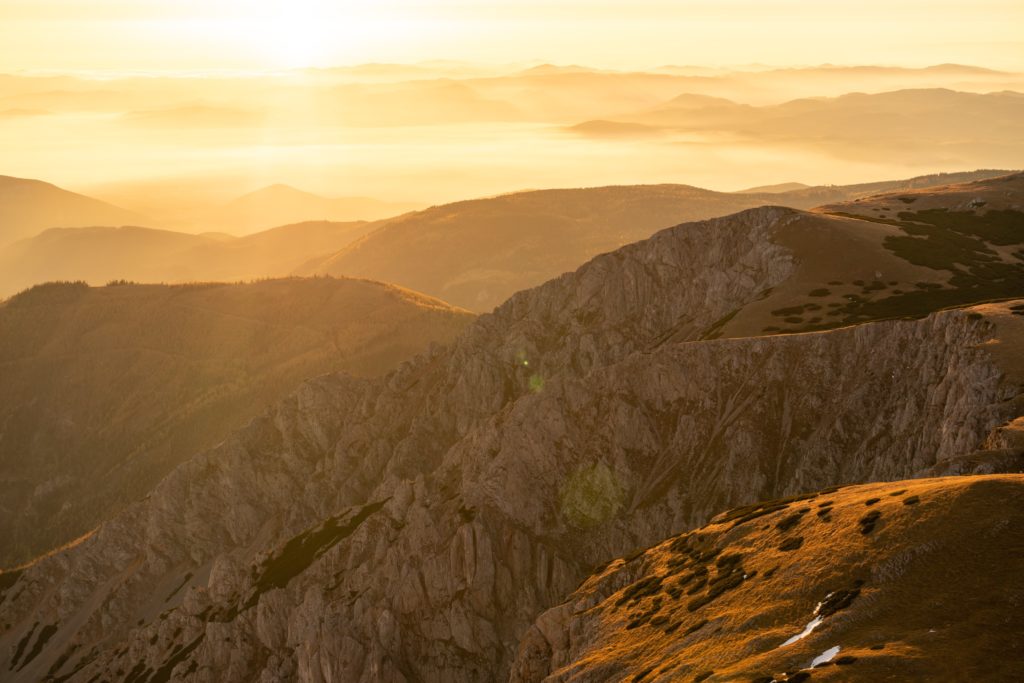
[[103, 391]]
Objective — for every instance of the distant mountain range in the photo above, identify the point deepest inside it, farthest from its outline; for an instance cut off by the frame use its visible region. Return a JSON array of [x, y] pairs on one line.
[[928, 124], [777, 188], [98, 255], [27, 207], [186, 147], [282, 204], [482, 250]]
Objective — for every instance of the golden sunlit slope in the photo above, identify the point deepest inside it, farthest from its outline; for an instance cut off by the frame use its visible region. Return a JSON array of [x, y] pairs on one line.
[[824, 194], [104, 390], [896, 255], [980, 195], [283, 205], [28, 207], [915, 580], [98, 255], [484, 250]]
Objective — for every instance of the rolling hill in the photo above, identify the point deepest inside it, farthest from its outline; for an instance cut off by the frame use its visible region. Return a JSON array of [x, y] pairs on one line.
[[416, 526], [104, 390], [777, 188], [27, 207], [482, 251], [100, 254]]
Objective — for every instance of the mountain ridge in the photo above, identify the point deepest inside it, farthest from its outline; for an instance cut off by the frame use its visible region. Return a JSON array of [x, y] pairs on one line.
[[541, 234]]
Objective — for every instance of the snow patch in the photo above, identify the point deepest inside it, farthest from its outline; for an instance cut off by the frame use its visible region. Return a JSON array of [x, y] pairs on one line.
[[813, 624], [825, 656]]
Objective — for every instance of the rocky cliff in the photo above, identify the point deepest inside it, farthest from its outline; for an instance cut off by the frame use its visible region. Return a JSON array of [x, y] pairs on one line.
[[413, 527]]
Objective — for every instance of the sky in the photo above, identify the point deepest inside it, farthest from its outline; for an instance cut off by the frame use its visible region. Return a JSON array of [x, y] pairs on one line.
[[198, 35], [165, 143]]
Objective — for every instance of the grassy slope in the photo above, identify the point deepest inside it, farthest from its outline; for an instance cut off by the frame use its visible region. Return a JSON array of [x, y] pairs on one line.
[[482, 251], [895, 255], [917, 580]]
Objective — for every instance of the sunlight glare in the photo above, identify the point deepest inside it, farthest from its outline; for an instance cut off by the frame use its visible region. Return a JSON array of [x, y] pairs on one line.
[[305, 33]]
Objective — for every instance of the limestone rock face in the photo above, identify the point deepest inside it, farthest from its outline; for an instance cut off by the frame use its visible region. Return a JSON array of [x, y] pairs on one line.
[[413, 528]]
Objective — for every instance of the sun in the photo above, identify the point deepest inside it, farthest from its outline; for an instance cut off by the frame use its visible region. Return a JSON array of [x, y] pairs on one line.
[[303, 33], [300, 34]]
